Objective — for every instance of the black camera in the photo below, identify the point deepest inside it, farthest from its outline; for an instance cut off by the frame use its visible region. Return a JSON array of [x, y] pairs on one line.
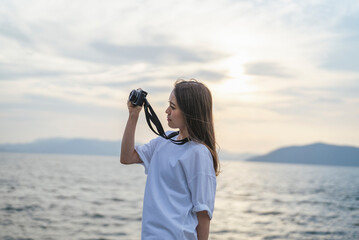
[[137, 97]]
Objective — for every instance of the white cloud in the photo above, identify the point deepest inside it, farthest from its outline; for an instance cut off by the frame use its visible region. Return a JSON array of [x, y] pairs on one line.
[[267, 62]]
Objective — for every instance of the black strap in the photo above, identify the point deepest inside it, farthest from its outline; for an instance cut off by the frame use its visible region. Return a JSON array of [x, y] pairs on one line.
[[152, 117]]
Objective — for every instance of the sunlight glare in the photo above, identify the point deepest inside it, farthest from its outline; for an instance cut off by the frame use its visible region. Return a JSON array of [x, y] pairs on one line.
[[238, 84]]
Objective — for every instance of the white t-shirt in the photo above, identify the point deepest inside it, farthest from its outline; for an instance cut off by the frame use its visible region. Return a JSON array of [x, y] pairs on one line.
[[180, 182]]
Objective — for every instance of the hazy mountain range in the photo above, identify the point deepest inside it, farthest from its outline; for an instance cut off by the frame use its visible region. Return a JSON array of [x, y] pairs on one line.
[[85, 147], [66, 146], [317, 153]]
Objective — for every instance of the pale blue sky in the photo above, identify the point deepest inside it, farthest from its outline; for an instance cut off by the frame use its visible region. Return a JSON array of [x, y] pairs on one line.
[[281, 72]]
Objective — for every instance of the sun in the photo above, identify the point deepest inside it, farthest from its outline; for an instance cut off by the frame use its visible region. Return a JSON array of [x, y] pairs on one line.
[[237, 81]]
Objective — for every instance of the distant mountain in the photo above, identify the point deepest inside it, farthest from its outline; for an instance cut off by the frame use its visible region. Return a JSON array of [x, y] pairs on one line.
[[85, 147], [317, 153], [65, 146]]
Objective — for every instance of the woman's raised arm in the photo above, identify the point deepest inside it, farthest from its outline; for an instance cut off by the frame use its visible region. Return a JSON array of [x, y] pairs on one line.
[[128, 153]]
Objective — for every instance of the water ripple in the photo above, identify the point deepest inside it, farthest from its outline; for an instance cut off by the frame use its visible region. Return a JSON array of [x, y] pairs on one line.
[[57, 197]]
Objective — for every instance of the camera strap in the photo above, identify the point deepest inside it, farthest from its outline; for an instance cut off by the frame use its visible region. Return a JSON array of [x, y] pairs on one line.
[[152, 117]]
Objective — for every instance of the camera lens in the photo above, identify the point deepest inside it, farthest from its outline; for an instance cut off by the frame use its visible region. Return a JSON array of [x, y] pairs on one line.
[[133, 96]]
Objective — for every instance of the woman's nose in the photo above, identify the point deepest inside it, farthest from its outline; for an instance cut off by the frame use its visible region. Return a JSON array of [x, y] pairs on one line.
[[167, 110]]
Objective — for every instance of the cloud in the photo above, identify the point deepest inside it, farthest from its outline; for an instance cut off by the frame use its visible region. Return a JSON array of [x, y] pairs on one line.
[[344, 55], [109, 53], [79, 59], [270, 69], [207, 76], [11, 31], [322, 102], [344, 51], [342, 91], [7, 73], [127, 84], [59, 105], [328, 100], [321, 94]]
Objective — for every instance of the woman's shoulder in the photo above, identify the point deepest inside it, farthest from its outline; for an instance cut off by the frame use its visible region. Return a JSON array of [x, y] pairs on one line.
[[199, 150], [198, 159], [197, 146]]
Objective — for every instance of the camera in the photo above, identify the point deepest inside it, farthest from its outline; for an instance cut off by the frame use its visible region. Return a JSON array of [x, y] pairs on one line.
[[137, 97]]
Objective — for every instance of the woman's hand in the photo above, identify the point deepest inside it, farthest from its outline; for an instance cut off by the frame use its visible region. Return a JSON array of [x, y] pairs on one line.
[[133, 109]]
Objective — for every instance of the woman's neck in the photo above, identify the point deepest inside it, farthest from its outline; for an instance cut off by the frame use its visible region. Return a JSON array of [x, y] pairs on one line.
[[182, 134]]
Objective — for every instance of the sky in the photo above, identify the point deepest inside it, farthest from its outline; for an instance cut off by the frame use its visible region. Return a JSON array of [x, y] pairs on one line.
[[281, 72]]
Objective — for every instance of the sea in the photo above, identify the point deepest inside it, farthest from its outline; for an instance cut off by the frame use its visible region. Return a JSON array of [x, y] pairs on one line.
[[45, 196]]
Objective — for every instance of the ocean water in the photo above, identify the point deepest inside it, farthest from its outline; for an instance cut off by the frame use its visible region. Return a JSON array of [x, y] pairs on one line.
[[95, 197]]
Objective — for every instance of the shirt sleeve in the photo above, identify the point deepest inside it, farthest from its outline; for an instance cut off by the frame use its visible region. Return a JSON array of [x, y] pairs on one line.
[[203, 190], [146, 152], [202, 182]]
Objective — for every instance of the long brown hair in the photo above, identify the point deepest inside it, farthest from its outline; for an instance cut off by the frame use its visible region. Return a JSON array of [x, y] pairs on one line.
[[195, 101]]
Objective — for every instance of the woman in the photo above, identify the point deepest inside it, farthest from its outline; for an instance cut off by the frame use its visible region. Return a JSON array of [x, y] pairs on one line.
[[181, 179]]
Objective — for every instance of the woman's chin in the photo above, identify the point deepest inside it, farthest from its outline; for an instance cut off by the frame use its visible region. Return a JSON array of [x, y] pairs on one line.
[[171, 126]]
